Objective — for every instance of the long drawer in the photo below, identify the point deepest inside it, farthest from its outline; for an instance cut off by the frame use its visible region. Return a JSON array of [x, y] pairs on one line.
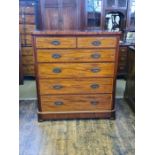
[[73, 70], [75, 55], [61, 103], [96, 42], [76, 86], [55, 42]]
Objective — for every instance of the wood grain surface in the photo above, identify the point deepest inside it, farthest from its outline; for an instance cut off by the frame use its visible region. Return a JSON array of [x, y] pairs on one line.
[[76, 137], [76, 86], [76, 55], [46, 42], [73, 70]]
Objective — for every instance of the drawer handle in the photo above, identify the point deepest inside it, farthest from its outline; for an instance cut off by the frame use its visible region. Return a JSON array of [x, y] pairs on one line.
[[55, 42], [58, 103], [56, 56], [57, 70], [57, 87], [96, 43], [94, 102], [95, 56], [95, 70], [95, 86]]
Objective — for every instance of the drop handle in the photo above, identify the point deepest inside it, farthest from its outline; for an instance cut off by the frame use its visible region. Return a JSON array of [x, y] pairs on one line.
[[95, 56], [95, 86], [95, 70], [55, 42], [58, 103], [57, 87], [94, 102], [56, 70], [56, 56], [96, 43]]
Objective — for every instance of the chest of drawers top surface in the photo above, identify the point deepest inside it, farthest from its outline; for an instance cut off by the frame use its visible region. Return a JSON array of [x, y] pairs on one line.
[[76, 73]]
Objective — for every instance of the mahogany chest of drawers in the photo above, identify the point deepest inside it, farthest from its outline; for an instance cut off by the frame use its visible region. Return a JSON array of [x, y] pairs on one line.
[[76, 74]]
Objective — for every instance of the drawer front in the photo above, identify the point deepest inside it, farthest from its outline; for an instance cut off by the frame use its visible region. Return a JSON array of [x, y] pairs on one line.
[[122, 67], [61, 103], [75, 55], [26, 39], [123, 58], [70, 70], [27, 51], [26, 10], [26, 28], [55, 42], [76, 86], [96, 42], [28, 59], [28, 70], [29, 19]]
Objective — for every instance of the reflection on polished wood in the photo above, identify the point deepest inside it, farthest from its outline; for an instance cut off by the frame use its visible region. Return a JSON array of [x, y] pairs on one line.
[[76, 137]]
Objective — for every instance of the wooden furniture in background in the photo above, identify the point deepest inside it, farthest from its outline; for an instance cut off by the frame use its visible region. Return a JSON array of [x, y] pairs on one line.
[[26, 27], [60, 14], [129, 94], [122, 61], [21, 77], [76, 74]]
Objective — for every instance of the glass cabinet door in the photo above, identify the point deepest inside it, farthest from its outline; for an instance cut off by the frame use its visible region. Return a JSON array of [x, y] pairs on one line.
[[110, 3], [122, 3], [131, 15], [93, 13]]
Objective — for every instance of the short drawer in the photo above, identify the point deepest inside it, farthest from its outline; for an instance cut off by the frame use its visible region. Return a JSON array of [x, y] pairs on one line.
[[96, 42], [28, 59], [76, 55], [70, 70], [27, 51], [61, 103], [26, 28], [28, 70], [76, 86], [26, 10], [122, 67], [29, 19], [123, 58], [26, 39], [55, 42]]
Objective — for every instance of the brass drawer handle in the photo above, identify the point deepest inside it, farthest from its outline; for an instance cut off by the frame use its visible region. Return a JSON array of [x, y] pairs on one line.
[[57, 70], [95, 86], [95, 70], [56, 56], [96, 43], [57, 87], [55, 42], [58, 103], [94, 102], [95, 56]]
